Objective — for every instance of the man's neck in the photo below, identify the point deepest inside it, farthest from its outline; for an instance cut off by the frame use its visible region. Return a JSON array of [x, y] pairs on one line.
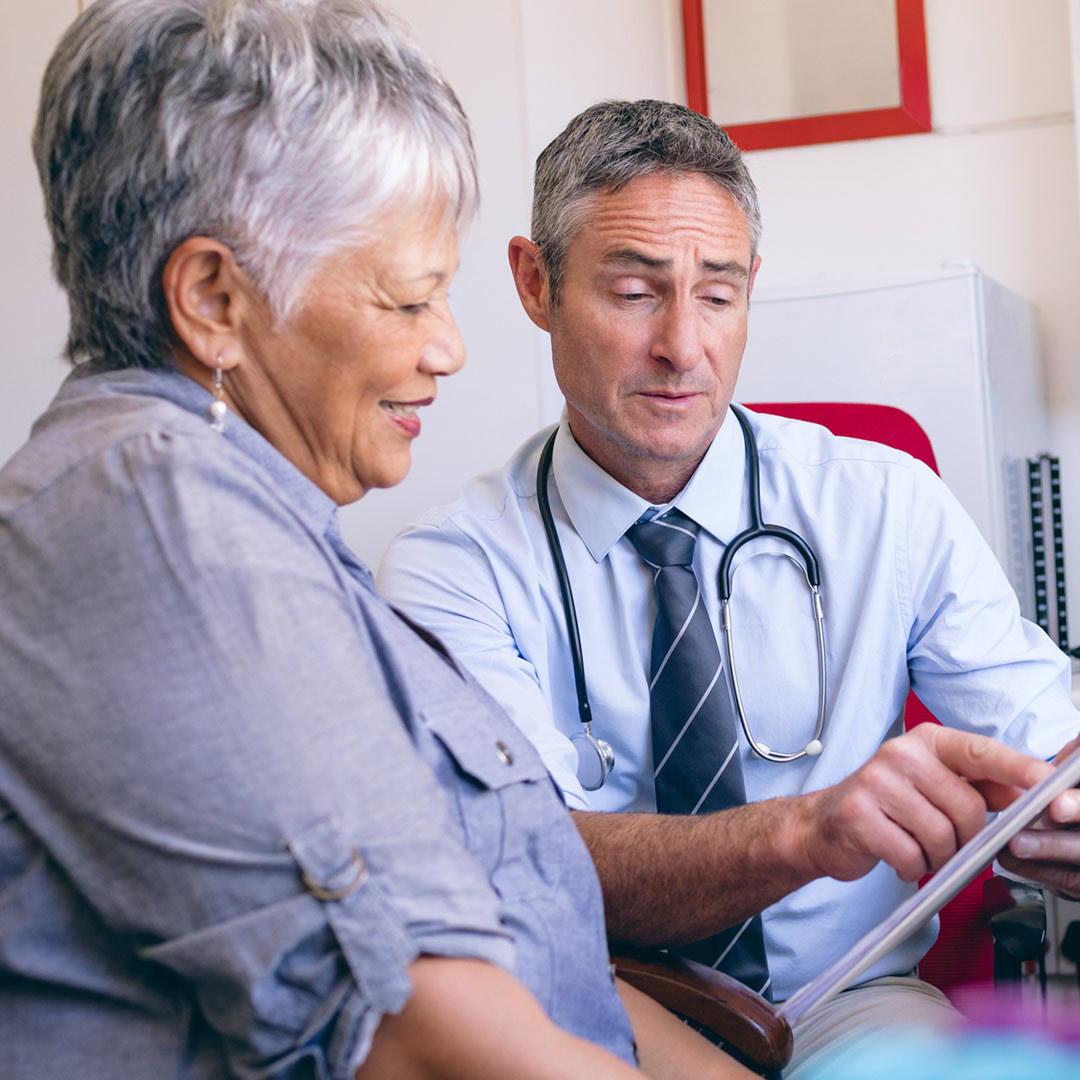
[[658, 482]]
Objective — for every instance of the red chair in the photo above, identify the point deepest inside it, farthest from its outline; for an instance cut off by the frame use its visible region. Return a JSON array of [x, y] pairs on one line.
[[964, 951]]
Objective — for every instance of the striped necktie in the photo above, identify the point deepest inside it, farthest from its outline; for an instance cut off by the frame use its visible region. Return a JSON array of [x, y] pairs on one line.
[[694, 731]]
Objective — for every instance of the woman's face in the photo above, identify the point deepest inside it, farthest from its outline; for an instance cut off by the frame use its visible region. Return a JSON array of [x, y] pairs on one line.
[[337, 387]]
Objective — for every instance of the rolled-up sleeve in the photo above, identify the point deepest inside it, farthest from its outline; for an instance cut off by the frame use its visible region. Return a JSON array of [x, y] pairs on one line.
[[203, 738]]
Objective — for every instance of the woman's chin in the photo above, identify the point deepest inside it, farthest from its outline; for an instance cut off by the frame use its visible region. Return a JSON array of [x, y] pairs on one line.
[[387, 472]]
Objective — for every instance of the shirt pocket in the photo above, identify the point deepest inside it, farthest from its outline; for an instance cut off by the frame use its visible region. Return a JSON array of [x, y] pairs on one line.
[[508, 807]]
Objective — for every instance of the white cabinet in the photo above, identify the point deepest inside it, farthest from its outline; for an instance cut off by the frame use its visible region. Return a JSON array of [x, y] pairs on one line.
[[955, 349]]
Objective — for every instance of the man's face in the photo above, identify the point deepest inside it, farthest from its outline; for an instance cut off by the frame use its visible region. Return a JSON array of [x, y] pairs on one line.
[[648, 331]]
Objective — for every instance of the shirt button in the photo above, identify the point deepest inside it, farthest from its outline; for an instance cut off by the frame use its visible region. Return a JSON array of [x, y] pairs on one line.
[[504, 755]]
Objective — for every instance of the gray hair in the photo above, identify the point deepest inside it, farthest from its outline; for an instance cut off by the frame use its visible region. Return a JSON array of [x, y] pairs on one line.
[[286, 129], [615, 142]]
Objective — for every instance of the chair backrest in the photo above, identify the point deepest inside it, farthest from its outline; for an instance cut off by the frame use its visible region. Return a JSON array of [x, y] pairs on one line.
[[964, 951]]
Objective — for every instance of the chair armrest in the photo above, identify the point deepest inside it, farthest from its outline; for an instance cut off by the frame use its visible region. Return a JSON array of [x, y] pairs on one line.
[[743, 1020]]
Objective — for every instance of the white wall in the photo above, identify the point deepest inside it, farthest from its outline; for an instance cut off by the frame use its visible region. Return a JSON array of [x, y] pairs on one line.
[[33, 312], [994, 183]]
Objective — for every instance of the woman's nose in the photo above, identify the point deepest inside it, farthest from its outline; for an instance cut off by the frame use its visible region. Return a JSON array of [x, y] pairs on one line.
[[445, 352]]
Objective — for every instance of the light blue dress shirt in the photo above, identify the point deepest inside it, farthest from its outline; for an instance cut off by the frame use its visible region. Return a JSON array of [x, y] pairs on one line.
[[912, 597], [239, 795]]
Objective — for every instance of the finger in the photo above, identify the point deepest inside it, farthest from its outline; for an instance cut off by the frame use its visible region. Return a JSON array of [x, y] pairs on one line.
[[1065, 809], [1052, 875], [980, 758], [1048, 845], [903, 852], [892, 843], [1067, 749], [943, 815], [853, 834], [930, 806], [997, 796], [939, 808]]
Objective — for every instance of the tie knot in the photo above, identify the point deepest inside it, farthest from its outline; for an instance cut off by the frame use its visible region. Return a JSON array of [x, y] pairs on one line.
[[667, 540]]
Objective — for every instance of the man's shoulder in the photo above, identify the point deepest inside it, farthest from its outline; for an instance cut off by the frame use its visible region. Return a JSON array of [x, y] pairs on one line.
[[491, 498], [811, 443], [475, 551]]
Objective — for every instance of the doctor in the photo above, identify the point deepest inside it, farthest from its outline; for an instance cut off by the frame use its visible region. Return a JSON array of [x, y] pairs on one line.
[[641, 266]]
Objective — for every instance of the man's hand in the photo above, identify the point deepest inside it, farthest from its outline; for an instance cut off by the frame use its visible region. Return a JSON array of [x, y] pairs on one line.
[[914, 803], [670, 879], [1049, 852]]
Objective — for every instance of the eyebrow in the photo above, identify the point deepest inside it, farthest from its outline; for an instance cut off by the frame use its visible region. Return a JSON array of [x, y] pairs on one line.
[[630, 257]]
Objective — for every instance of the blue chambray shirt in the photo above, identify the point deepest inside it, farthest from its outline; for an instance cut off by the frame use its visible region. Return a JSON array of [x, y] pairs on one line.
[[209, 721]]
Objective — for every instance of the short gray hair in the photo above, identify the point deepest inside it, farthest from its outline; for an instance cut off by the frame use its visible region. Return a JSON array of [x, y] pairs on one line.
[[286, 129], [614, 142]]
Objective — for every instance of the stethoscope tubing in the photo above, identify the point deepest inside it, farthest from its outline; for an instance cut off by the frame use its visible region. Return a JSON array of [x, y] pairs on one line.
[[758, 529], [605, 756]]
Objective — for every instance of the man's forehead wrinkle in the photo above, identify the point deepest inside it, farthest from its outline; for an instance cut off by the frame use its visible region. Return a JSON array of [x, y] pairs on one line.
[[662, 225], [656, 222], [630, 259], [627, 256], [728, 268]]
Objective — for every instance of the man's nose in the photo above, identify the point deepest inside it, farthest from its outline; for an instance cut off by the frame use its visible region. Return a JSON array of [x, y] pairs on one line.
[[678, 339]]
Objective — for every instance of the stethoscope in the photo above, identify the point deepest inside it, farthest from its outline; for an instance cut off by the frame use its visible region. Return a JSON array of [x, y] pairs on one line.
[[596, 759]]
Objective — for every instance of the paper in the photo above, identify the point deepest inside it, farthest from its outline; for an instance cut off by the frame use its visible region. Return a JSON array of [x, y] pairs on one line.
[[963, 867]]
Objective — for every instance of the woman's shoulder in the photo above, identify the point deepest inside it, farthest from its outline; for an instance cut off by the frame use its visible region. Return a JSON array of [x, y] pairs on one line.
[[116, 453], [95, 417]]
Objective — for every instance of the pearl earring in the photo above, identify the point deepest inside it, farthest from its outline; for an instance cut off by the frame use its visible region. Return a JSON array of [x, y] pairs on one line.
[[218, 408]]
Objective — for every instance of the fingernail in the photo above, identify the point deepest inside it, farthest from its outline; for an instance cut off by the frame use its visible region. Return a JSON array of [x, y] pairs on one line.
[[1069, 804], [1024, 845]]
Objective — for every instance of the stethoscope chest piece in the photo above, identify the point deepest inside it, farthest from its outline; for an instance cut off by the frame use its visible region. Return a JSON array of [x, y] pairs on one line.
[[596, 759]]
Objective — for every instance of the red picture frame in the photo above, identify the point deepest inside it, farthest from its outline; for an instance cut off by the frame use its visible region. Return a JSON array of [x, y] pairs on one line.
[[912, 115]]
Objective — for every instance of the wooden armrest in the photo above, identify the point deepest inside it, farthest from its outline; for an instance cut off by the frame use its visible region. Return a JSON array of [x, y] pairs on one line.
[[745, 1021]]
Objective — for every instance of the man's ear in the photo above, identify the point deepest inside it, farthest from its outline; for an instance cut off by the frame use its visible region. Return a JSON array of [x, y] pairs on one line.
[[753, 275], [531, 280], [206, 295]]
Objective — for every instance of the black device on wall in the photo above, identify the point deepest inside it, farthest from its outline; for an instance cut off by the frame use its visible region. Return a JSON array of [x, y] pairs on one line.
[[1044, 472]]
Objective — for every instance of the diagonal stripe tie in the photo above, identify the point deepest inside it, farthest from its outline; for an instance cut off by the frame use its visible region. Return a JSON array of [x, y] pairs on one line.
[[694, 730]]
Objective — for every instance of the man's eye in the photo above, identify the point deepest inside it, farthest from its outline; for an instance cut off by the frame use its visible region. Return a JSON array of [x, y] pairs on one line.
[[633, 295], [718, 301], [414, 309]]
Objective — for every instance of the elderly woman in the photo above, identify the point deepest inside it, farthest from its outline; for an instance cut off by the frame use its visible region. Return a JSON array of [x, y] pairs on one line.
[[252, 823]]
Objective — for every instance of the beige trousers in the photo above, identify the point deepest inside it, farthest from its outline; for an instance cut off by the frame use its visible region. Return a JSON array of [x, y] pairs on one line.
[[886, 1002]]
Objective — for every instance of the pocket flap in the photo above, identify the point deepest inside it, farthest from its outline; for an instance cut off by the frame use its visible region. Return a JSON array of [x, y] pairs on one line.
[[495, 755]]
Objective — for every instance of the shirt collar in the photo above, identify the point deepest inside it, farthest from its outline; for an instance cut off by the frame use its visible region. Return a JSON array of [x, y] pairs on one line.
[[311, 503], [601, 509]]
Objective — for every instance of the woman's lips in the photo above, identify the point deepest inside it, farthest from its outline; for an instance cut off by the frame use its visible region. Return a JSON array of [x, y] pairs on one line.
[[403, 414]]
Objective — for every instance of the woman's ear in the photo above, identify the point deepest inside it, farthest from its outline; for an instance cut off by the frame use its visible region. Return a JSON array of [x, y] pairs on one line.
[[206, 295]]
